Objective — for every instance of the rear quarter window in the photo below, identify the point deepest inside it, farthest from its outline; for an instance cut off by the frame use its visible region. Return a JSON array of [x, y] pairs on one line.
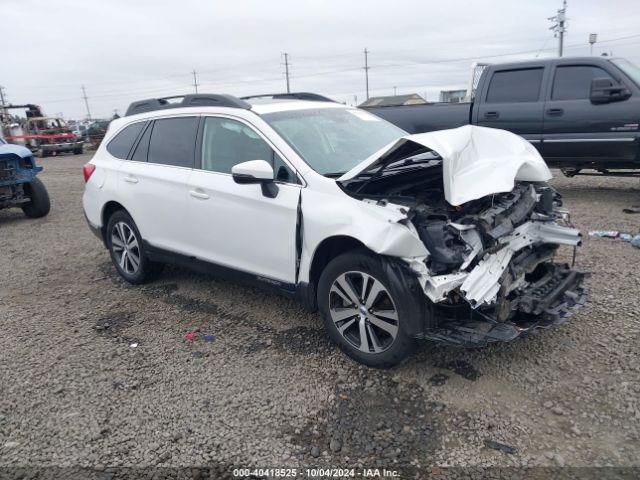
[[121, 144], [173, 141]]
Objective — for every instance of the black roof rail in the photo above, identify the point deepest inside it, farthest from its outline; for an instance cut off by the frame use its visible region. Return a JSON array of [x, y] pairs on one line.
[[191, 100], [313, 97]]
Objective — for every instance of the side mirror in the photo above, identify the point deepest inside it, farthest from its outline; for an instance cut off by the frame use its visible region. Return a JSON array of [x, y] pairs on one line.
[[256, 171], [604, 90]]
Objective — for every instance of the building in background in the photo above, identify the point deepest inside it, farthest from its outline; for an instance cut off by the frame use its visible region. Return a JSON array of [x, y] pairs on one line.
[[453, 96], [394, 101]]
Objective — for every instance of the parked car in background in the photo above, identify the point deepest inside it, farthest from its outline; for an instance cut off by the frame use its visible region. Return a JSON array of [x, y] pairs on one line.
[[393, 237], [80, 131], [96, 132], [41, 134], [19, 186], [580, 113]]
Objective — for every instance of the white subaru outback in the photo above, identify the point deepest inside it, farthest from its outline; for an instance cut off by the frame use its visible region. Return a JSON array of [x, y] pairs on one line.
[[394, 238]]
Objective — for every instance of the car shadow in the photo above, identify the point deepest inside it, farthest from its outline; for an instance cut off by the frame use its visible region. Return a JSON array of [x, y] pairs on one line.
[[9, 216]]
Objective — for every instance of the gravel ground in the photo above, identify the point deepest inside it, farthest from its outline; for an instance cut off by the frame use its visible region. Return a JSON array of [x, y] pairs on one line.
[[270, 390]]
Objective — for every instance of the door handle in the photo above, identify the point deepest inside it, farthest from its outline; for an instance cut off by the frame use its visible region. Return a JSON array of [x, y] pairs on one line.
[[555, 112], [130, 179], [491, 114], [197, 194]]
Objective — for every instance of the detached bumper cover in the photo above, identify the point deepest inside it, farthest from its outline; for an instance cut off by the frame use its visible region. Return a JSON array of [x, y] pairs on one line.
[[550, 301], [61, 147]]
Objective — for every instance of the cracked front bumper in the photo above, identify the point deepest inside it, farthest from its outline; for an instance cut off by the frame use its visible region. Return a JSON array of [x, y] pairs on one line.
[[550, 301]]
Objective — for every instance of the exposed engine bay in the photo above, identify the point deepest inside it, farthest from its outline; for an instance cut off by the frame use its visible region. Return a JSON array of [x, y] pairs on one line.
[[490, 272]]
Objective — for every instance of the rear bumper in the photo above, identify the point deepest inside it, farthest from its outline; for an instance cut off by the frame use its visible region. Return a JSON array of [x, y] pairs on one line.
[[96, 230], [551, 301], [61, 147]]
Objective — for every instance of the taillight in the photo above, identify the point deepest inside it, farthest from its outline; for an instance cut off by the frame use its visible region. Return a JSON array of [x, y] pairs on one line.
[[87, 171]]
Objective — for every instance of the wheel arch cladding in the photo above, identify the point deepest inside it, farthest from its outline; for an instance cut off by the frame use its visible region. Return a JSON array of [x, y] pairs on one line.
[[108, 210], [421, 315], [329, 249]]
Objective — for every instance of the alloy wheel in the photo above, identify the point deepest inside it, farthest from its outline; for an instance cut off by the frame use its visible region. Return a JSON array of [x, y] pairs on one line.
[[363, 311], [125, 248]]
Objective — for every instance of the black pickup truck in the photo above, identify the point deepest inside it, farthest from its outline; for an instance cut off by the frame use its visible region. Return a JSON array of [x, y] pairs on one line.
[[580, 113]]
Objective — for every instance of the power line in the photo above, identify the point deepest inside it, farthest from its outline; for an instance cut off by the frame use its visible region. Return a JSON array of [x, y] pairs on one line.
[[116, 93], [366, 70], [286, 70], [86, 102]]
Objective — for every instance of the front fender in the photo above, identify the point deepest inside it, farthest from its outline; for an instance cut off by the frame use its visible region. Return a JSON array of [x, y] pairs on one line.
[[384, 229]]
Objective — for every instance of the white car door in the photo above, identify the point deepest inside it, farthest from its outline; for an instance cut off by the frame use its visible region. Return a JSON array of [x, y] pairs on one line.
[[153, 183], [236, 225]]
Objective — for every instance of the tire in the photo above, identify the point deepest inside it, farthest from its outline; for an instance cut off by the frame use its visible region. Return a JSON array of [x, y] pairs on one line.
[[136, 268], [570, 172], [39, 205], [43, 154], [78, 151], [388, 338]]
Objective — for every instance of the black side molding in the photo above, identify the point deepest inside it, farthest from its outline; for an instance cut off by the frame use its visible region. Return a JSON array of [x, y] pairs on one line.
[[161, 255]]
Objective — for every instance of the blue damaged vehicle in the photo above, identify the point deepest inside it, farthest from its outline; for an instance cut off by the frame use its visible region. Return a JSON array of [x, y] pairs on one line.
[[19, 186]]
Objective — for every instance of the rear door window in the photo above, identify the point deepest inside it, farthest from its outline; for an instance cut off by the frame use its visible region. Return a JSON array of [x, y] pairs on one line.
[[121, 144], [513, 86], [573, 82], [173, 141]]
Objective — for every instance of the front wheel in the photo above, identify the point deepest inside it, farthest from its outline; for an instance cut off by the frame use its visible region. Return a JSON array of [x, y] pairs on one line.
[[39, 204], [127, 251], [371, 308]]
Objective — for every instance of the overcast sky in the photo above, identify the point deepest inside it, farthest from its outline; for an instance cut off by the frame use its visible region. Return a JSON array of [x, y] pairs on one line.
[[124, 50]]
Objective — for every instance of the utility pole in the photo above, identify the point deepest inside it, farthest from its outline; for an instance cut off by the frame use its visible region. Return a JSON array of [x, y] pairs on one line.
[[559, 26], [593, 38], [286, 70], [2, 103], [195, 80], [395, 91], [86, 102], [366, 70]]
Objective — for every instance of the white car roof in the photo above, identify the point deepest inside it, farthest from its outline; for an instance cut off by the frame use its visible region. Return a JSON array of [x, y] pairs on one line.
[[270, 106], [258, 107]]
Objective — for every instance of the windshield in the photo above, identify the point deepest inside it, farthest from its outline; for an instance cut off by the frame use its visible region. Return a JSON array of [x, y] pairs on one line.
[[333, 140], [631, 70]]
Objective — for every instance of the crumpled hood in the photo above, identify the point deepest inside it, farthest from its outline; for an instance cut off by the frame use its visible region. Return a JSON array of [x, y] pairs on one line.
[[477, 161]]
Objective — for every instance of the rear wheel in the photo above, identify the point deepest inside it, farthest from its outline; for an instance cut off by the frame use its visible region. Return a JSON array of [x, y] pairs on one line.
[[371, 308], [127, 251], [39, 204]]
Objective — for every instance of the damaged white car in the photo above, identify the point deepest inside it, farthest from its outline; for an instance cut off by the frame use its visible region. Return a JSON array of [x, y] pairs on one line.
[[447, 236]]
